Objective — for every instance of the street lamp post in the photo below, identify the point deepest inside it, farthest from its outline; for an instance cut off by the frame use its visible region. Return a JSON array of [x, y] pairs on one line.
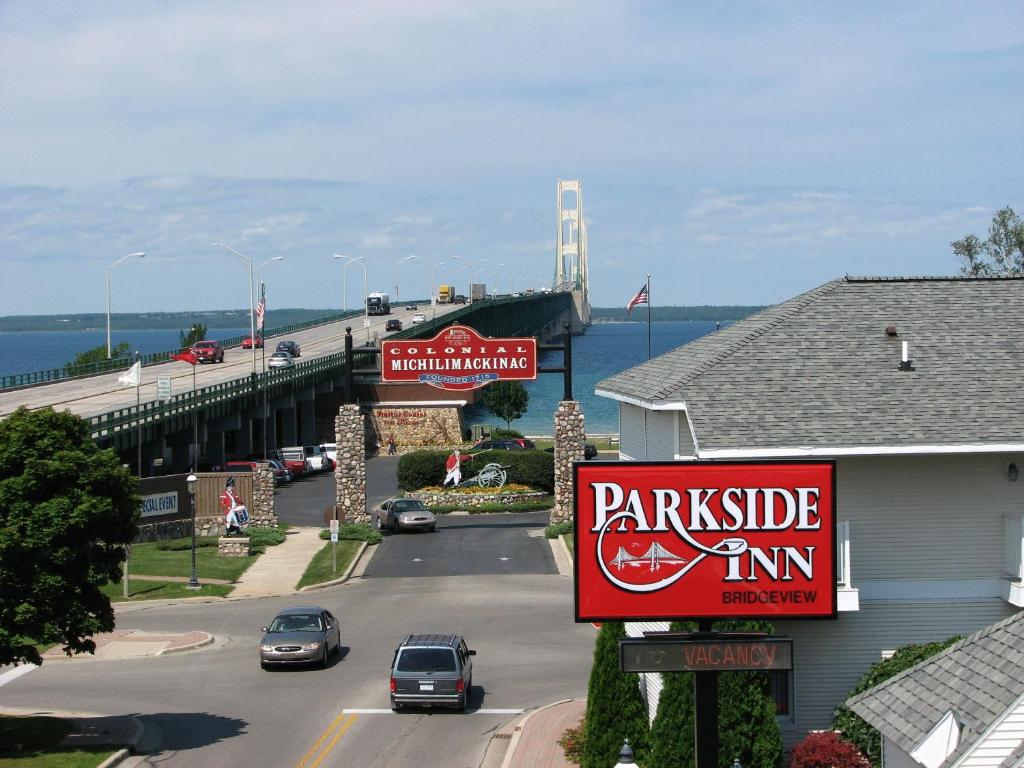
[[344, 290], [138, 255], [252, 310], [459, 271], [433, 292], [191, 481], [262, 264]]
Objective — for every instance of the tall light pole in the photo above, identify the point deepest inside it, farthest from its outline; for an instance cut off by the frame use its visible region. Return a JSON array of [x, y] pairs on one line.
[[433, 288], [138, 255], [262, 264], [344, 278], [459, 271], [397, 265], [191, 482], [252, 310]]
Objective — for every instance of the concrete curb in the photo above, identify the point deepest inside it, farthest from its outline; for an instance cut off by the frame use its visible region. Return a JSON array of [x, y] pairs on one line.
[[568, 554], [181, 649], [115, 759], [517, 730], [341, 579]]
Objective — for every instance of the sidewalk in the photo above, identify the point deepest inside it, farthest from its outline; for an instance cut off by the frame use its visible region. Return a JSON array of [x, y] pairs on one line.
[[533, 739], [133, 644], [278, 570], [122, 733]]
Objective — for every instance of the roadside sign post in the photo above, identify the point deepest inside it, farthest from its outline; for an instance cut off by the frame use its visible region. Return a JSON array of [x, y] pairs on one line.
[[334, 546], [163, 387]]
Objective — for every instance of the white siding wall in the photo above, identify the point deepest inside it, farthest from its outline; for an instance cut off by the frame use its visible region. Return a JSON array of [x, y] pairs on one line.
[[631, 431], [661, 435], [654, 440]]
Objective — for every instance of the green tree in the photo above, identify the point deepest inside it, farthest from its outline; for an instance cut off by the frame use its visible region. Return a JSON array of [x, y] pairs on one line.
[[99, 355], [615, 708], [672, 731], [857, 731], [1000, 254], [196, 332], [507, 400], [67, 510]]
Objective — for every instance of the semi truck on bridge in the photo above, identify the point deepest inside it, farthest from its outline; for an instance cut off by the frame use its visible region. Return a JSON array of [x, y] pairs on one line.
[[378, 303], [445, 294]]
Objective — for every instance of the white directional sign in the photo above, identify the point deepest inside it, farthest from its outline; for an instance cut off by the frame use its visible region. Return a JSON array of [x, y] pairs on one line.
[[334, 538], [163, 387], [334, 526], [367, 322]]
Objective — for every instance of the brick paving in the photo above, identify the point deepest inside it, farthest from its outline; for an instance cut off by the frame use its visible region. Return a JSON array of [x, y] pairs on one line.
[[538, 746]]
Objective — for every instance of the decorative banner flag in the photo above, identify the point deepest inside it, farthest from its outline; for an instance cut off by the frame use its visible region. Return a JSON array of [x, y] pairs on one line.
[[186, 357], [261, 309], [640, 298], [133, 376]]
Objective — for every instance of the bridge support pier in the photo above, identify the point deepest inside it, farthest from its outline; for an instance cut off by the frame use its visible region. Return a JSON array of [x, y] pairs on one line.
[[569, 436], [307, 421], [288, 432]]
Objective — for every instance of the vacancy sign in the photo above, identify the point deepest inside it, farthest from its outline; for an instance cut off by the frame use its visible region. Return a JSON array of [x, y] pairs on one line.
[[459, 358], [696, 540]]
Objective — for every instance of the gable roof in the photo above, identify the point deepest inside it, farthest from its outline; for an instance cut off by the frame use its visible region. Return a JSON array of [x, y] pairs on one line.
[[820, 372], [980, 679]]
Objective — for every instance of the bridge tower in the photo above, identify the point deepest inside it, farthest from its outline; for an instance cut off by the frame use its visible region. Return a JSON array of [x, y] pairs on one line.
[[571, 263]]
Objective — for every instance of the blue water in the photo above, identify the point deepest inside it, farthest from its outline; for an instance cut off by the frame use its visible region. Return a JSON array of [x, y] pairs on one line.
[[604, 350], [25, 351]]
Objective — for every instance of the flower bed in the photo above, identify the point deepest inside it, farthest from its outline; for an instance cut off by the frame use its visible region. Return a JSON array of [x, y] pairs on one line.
[[470, 498]]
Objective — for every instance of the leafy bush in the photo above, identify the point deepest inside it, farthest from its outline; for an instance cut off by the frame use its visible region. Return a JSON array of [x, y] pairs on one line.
[[177, 545], [355, 532], [494, 507], [572, 742], [501, 433], [555, 530], [615, 709], [825, 749], [533, 468], [264, 536], [856, 730], [417, 469]]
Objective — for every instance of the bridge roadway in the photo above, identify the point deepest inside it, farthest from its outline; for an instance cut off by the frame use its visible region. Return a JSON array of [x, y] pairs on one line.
[[102, 393]]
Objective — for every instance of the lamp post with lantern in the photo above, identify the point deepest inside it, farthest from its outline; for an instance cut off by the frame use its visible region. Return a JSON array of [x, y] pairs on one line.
[[192, 481]]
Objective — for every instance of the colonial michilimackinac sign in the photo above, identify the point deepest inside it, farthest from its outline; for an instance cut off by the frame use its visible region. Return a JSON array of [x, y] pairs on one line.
[[459, 358], [659, 541]]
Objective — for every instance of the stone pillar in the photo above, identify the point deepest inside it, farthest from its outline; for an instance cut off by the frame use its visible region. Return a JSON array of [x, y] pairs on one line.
[[229, 546], [262, 512], [569, 438], [350, 469]]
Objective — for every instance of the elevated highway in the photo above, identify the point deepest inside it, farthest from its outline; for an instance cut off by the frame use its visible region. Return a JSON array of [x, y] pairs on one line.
[[240, 410]]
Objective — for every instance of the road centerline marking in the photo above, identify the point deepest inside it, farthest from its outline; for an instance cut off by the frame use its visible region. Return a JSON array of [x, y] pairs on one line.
[[330, 745], [335, 723]]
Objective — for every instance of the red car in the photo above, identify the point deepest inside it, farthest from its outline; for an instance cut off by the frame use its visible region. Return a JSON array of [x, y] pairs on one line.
[[252, 341], [208, 351], [294, 462]]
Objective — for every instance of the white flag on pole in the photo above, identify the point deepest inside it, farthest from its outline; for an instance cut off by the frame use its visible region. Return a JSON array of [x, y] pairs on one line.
[[133, 376]]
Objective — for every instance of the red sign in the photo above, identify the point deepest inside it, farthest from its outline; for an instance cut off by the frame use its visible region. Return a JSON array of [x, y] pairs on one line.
[[459, 358], [661, 541]]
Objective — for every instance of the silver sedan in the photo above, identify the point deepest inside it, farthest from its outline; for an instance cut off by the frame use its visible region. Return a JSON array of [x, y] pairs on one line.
[[301, 635], [403, 515]]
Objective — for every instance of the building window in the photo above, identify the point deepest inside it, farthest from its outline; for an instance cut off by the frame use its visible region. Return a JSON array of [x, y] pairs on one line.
[[781, 689]]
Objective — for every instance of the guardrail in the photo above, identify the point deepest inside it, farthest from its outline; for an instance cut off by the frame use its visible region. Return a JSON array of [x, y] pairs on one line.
[[34, 378], [502, 316], [250, 387]]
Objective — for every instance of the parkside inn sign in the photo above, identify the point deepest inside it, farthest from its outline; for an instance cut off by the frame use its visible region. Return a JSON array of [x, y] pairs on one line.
[[661, 541], [459, 358]]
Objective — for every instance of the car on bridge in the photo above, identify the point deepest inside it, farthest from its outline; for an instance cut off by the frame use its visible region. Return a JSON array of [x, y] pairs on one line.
[[252, 341], [432, 671], [393, 325], [411, 306], [419, 317], [280, 360], [208, 351], [291, 347]]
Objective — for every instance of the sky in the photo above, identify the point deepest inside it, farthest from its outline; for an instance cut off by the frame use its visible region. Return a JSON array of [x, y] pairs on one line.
[[740, 153]]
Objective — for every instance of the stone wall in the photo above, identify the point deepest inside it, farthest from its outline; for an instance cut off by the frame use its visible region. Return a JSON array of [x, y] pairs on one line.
[[162, 530], [229, 546], [350, 468], [416, 426], [262, 512], [473, 500], [569, 437]]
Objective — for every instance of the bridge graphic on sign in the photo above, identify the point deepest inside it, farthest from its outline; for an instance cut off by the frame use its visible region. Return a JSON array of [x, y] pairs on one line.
[[653, 558]]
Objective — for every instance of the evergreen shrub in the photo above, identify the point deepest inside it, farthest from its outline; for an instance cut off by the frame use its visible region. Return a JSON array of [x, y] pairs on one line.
[[825, 749], [355, 532], [615, 709], [857, 731], [420, 468], [502, 433], [536, 469], [555, 530]]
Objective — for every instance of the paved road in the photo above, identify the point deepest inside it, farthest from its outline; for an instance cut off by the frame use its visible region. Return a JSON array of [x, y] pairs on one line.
[[303, 502], [100, 394], [217, 708], [468, 544]]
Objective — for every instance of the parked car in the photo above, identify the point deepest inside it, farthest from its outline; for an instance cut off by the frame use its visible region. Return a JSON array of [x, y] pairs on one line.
[[431, 671], [318, 460], [331, 449], [240, 465], [208, 351], [280, 360], [282, 474], [252, 341], [294, 460], [291, 347], [419, 317], [302, 635], [505, 444], [393, 325], [411, 306], [403, 514], [589, 451]]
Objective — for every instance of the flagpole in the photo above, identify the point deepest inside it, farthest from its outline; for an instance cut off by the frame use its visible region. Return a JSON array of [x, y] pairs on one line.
[[195, 422], [263, 348], [648, 317], [138, 414]]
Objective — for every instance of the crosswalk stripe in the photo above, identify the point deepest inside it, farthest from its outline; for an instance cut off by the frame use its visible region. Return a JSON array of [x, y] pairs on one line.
[[13, 674]]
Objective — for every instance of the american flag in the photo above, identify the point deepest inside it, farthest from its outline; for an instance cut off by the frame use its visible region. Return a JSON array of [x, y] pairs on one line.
[[640, 298], [261, 309]]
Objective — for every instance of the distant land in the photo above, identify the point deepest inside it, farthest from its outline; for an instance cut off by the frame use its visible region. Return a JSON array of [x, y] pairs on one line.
[[239, 318]]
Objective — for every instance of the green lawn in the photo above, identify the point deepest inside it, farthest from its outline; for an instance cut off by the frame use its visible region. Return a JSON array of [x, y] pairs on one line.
[[31, 742], [162, 590], [567, 538], [150, 560], [319, 568]]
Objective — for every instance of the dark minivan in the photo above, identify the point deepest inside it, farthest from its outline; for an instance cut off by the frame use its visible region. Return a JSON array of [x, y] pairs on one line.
[[432, 671]]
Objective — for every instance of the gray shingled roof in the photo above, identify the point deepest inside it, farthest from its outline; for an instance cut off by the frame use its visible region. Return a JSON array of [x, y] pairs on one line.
[[978, 679], [819, 371]]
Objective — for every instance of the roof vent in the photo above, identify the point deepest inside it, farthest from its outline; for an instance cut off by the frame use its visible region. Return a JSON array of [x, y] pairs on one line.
[[890, 330], [906, 363]]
